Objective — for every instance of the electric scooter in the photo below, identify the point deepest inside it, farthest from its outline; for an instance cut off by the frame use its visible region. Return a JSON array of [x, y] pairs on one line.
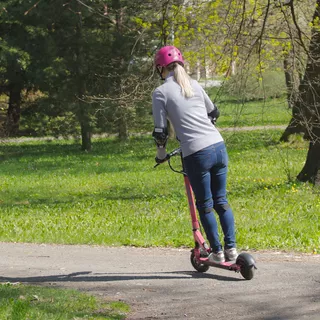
[[245, 263]]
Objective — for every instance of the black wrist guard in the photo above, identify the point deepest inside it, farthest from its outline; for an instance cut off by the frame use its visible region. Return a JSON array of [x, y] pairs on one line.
[[160, 136], [214, 115]]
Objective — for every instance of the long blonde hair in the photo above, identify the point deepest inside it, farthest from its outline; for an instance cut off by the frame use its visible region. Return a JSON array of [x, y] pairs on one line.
[[182, 79]]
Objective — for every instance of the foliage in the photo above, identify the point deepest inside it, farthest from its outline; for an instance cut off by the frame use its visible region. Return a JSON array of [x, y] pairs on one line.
[[51, 192], [38, 303], [93, 59], [78, 53]]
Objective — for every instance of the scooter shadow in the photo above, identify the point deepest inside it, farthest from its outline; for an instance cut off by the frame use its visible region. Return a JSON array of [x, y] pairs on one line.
[[89, 276], [203, 275]]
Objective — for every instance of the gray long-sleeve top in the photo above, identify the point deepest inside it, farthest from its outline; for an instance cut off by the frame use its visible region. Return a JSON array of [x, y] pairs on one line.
[[189, 116]]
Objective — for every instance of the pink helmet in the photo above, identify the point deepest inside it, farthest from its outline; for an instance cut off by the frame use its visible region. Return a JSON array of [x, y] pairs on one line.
[[167, 55]]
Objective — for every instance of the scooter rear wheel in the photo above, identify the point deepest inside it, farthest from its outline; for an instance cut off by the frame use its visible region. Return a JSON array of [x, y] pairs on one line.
[[196, 264]]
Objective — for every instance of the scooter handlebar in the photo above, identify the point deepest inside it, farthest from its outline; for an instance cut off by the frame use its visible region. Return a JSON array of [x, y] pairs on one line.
[[173, 153]]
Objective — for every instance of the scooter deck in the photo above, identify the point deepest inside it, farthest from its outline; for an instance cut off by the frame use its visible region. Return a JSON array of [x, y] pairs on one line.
[[229, 265]]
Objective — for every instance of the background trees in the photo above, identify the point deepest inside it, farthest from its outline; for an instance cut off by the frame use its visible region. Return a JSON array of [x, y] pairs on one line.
[[83, 67], [71, 55]]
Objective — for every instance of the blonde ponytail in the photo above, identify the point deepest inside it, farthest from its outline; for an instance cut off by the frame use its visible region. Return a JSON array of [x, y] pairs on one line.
[[182, 79]]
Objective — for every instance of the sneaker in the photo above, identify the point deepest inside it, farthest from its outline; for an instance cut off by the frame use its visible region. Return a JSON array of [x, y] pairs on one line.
[[216, 257], [231, 254]]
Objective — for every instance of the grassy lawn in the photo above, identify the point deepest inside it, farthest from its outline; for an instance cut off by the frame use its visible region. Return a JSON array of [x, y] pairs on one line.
[[238, 113], [254, 113], [18, 302], [53, 193]]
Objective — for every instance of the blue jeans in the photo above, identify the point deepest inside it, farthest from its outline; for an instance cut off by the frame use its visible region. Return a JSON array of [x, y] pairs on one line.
[[207, 172]]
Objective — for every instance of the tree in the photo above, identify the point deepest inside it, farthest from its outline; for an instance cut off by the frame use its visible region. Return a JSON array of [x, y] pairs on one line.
[[16, 33], [308, 104], [306, 101], [257, 31], [78, 34], [126, 103]]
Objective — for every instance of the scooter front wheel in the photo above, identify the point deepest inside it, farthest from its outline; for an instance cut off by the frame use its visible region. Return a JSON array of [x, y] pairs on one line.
[[200, 267], [247, 265]]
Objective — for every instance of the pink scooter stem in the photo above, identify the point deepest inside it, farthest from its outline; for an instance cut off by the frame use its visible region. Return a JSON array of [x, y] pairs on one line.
[[198, 238]]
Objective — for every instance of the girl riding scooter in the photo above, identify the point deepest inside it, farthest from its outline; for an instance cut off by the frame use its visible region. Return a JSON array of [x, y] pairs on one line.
[[190, 110]]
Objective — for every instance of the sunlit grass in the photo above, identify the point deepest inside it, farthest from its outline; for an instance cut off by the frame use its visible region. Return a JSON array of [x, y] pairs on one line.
[[255, 113], [30, 302], [54, 193], [236, 112]]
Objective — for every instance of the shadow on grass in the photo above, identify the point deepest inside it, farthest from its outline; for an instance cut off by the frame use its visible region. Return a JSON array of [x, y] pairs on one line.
[[67, 147], [136, 147], [24, 198], [110, 277], [108, 156]]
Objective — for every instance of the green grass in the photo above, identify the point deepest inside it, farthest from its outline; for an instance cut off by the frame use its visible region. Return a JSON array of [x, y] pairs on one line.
[[18, 302], [54, 193], [236, 112], [254, 113]]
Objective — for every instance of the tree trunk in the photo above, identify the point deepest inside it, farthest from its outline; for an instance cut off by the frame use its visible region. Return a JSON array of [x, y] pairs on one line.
[[309, 106], [289, 81], [84, 120], [311, 169], [294, 125], [14, 110], [83, 112], [122, 123], [3, 118], [122, 110], [14, 89], [86, 144]]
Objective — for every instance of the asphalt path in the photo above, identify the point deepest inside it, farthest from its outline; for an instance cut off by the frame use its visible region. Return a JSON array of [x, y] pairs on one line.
[[160, 283]]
